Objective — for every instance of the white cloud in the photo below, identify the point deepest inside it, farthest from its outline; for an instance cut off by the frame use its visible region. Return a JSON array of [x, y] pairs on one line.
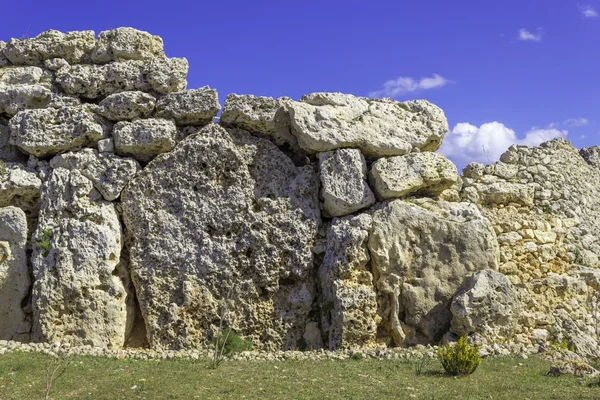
[[403, 85], [574, 122], [467, 143], [524, 34], [587, 11]]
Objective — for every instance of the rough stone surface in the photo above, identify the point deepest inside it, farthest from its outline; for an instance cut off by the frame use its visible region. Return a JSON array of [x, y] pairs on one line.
[[160, 75], [14, 275], [379, 128], [344, 187], [50, 131], [78, 297], [8, 152], [19, 186], [71, 46], [109, 173], [15, 98], [126, 106], [348, 297], [487, 304], [591, 155], [144, 139], [421, 251], [427, 174], [126, 44], [20, 76], [213, 227], [191, 107]]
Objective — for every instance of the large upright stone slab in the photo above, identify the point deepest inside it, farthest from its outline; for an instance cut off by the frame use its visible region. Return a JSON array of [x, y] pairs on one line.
[[14, 274], [421, 251], [223, 220], [78, 297], [379, 128], [344, 187]]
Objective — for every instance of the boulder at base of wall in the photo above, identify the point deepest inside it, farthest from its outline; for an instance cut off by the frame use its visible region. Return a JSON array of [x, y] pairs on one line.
[[77, 296], [486, 303], [379, 128], [421, 251], [14, 274], [222, 229]]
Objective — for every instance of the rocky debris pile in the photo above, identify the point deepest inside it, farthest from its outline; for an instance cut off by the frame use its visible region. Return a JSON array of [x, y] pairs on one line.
[[129, 216]]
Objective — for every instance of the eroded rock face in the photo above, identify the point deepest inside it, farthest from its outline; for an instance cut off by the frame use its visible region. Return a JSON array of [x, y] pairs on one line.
[[126, 44], [144, 139], [486, 303], [78, 297], [591, 155], [19, 186], [379, 128], [14, 275], [348, 297], [212, 226], [344, 185], [125, 106], [421, 251], [15, 98], [50, 131], [109, 173], [427, 174], [191, 107]]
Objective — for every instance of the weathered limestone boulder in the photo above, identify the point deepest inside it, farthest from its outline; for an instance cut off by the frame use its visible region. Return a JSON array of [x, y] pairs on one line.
[[591, 155], [379, 128], [348, 298], [14, 275], [501, 193], [486, 303], [8, 152], [15, 98], [106, 145], [421, 252], [160, 75], [3, 60], [263, 116], [344, 187], [125, 106], [20, 76], [19, 186], [78, 297], [50, 131], [191, 107], [214, 229], [126, 44], [71, 46], [109, 173], [144, 139], [427, 174]]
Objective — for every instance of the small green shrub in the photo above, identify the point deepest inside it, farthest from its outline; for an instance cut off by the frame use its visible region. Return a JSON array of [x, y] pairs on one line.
[[233, 343], [301, 344], [462, 359], [44, 241], [357, 356], [421, 365]]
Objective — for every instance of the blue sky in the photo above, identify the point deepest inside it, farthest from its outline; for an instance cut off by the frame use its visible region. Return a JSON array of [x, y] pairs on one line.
[[503, 71]]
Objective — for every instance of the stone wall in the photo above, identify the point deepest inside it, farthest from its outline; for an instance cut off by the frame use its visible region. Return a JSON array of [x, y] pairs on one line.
[[131, 215]]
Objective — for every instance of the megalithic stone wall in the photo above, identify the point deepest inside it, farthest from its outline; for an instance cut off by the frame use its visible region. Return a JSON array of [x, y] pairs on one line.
[[131, 214]]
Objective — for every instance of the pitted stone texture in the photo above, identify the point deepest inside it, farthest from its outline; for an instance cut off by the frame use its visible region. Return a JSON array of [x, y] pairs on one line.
[[3, 60], [421, 251], [348, 298], [344, 187], [487, 304], [263, 116], [20, 75], [14, 275], [106, 145], [19, 186], [144, 139], [50, 131], [109, 173], [15, 98], [223, 218], [427, 174], [8, 152], [71, 46], [60, 101], [379, 128], [126, 106], [501, 192], [191, 107], [126, 44], [77, 297], [591, 155], [160, 75]]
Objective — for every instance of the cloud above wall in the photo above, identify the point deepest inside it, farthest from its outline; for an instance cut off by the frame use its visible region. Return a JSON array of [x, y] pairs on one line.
[[528, 36], [575, 122], [467, 142], [404, 85], [587, 11]]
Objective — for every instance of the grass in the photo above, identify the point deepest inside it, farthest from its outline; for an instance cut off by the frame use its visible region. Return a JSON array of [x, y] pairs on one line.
[[22, 376]]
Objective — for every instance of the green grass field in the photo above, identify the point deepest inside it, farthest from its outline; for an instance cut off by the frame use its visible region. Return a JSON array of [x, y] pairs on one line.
[[22, 376]]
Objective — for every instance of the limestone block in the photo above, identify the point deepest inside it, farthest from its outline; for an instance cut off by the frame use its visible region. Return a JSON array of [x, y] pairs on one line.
[[15, 98], [19, 186], [144, 139], [126, 44], [191, 107], [125, 106], [344, 188]]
